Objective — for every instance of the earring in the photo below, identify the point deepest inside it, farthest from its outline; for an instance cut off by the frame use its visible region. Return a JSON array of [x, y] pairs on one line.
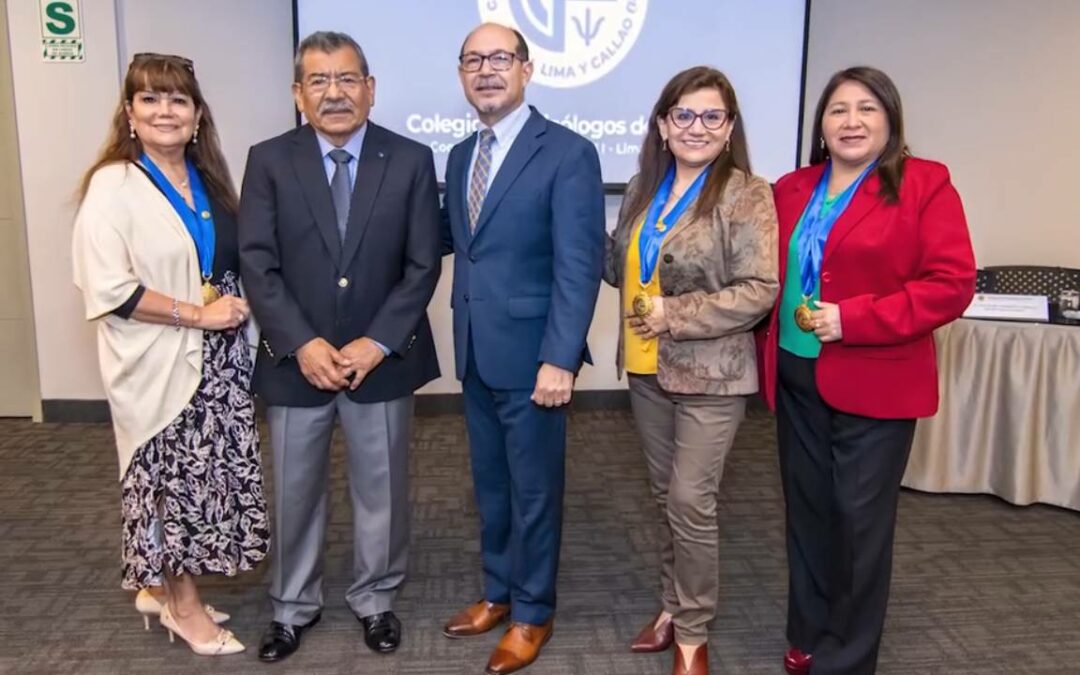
[[821, 142], [663, 144], [131, 130], [195, 137], [727, 144]]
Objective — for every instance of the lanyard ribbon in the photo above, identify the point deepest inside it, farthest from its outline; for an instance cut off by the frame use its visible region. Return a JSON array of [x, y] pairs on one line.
[[816, 226], [654, 229], [200, 222]]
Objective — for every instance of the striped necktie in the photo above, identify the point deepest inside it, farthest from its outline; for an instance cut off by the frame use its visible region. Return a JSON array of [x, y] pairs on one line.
[[478, 183]]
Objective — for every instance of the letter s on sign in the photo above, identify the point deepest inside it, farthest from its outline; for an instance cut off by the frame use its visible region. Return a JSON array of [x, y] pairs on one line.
[[62, 21]]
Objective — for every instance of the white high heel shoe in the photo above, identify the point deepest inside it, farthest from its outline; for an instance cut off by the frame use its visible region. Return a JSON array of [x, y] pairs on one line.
[[147, 604], [222, 644]]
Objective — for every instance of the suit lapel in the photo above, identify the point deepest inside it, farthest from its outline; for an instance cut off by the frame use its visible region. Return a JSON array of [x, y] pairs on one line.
[[311, 174], [790, 207], [525, 146], [370, 169], [459, 216], [864, 201]]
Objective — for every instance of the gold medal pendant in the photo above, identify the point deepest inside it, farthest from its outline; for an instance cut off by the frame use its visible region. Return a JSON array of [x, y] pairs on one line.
[[643, 305], [804, 318], [209, 293]]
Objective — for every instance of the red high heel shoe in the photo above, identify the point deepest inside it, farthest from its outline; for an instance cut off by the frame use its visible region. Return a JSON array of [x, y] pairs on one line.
[[797, 662]]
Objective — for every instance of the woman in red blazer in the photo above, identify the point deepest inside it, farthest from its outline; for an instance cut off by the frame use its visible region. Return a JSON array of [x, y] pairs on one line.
[[874, 255]]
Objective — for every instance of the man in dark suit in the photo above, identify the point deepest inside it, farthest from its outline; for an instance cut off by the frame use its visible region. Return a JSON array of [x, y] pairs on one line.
[[525, 207], [339, 247]]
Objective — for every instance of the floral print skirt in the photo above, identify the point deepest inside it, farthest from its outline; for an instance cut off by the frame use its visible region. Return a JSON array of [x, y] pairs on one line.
[[193, 499]]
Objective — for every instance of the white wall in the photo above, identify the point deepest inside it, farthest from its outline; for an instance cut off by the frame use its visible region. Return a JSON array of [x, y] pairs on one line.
[[992, 89], [243, 54], [62, 111]]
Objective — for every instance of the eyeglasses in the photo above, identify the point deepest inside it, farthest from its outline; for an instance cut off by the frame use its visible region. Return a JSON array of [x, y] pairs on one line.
[[500, 60], [182, 61], [712, 120], [319, 82]]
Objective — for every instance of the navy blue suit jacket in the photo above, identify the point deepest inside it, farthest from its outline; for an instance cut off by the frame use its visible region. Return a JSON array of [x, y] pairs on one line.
[[304, 282], [525, 284]]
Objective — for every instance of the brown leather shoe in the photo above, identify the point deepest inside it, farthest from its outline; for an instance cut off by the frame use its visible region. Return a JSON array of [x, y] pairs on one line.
[[519, 647], [475, 620], [699, 662], [653, 638]]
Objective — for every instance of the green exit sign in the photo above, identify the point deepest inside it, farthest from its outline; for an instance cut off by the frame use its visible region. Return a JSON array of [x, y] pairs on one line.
[[61, 31]]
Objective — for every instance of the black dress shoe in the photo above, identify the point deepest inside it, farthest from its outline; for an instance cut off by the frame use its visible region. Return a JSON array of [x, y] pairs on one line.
[[282, 639], [382, 632]]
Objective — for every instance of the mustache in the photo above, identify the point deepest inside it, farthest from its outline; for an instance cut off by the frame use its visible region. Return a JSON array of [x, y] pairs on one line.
[[489, 81], [336, 105]]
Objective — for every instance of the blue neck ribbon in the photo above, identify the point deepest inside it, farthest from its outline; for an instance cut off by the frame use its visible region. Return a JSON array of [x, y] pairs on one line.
[[200, 222], [815, 228], [655, 229]]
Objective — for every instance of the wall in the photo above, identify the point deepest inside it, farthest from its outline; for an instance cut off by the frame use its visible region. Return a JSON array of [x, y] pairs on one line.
[[243, 54], [19, 386], [991, 88]]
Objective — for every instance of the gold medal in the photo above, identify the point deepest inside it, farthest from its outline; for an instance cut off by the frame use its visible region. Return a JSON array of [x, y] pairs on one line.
[[643, 305], [804, 318], [209, 293]]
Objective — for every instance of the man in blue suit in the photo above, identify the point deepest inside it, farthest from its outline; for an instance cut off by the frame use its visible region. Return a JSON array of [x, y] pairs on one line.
[[525, 207]]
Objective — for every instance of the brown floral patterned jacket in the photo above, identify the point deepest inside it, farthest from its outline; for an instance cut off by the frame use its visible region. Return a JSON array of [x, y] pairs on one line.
[[718, 276]]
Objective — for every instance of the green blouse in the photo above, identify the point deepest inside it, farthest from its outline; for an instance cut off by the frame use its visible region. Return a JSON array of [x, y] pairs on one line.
[[792, 338]]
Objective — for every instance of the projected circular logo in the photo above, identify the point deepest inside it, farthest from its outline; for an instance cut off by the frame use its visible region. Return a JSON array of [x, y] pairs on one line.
[[571, 42]]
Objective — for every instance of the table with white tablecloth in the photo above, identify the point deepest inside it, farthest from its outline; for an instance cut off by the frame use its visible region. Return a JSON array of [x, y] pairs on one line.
[[1009, 421]]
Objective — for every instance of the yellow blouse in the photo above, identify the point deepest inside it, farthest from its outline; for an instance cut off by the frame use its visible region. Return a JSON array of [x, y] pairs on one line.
[[639, 354]]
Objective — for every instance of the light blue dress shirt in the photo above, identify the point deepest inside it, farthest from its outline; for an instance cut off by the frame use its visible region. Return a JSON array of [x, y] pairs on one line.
[[353, 146], [506, 132]]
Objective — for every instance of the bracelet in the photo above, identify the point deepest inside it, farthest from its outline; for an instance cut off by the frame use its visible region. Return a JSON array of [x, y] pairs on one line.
[[175, 313]]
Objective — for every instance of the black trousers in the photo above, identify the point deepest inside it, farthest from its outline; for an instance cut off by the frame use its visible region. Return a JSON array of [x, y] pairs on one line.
[[841, 475]]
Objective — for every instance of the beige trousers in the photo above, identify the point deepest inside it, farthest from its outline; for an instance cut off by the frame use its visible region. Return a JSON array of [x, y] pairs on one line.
[[686, 439]]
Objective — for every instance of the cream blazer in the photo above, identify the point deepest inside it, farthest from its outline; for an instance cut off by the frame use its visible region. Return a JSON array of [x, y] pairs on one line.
[[127, 234]]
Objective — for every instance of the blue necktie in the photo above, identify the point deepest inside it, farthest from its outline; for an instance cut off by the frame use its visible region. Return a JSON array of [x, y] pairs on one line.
[[341, 188]]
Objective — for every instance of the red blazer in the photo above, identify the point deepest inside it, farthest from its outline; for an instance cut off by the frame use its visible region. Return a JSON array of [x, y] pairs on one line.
[[898, 271]]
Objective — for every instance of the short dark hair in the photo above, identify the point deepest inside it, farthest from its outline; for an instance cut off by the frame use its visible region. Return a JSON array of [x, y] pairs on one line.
[[890, 166], [326, 41], [521, 49]]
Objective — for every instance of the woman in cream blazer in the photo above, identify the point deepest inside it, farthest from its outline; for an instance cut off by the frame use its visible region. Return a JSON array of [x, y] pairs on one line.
[[155, 255], [694, 256]]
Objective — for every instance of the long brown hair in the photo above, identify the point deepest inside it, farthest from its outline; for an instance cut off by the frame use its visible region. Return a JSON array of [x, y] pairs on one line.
[[164, 73], [656, 158], [890, 166]]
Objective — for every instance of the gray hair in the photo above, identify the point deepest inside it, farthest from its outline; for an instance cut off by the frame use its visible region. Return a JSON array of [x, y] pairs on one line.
[[326, 41]]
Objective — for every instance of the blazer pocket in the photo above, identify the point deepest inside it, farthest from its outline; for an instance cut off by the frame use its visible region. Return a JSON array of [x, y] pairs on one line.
[[528, 307]]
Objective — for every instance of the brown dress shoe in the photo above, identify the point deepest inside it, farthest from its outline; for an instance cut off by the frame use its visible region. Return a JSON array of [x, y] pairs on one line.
[[653, 638], [699, 662], [519, 647], [475, 619]]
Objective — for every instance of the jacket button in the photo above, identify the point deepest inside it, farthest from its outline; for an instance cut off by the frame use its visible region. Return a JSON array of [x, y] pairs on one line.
[[668, 257], [342, 282], [826, 277], [472, 258], [466, 298]]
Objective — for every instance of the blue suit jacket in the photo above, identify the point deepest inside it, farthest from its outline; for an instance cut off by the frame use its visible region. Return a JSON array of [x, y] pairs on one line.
[[525, 284]]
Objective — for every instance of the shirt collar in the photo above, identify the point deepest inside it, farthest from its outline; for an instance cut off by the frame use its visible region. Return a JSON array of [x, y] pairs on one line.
[[353, 146], [509, 126]]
